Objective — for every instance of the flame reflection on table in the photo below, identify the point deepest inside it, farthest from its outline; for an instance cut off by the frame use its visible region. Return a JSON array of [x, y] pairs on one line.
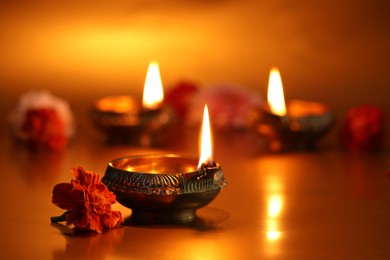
[[275, 201], [275, 204]]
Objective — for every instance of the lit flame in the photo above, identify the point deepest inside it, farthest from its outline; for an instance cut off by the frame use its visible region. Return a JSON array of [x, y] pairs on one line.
[[275, 93], [153, 89], [205, 139]]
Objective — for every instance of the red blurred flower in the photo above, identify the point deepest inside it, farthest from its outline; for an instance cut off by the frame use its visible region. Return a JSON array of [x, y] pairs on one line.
[[363, 129], [42, 120], [179, 97], [88, 202], [42, 127]]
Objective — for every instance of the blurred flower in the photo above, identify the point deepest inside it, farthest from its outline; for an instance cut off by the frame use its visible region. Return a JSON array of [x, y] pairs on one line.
[[229, 106], [42, 120], [88, 202], [179, 97], [43, 128], [363, 129]]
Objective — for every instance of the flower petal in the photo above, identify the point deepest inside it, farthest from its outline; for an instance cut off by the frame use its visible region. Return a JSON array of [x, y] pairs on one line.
[[62, 196], [114, 219], [78, 173], [94, 223]]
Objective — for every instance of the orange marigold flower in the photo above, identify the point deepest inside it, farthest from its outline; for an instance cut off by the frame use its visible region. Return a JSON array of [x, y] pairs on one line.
[[88, 202]]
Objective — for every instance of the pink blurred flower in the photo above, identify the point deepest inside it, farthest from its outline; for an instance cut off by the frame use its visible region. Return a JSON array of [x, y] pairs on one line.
[[229, 106], [42, 120]]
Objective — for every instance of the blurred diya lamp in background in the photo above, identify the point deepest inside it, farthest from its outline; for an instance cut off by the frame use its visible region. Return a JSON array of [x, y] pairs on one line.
[[124, 120], [297, 125], [166, 188]]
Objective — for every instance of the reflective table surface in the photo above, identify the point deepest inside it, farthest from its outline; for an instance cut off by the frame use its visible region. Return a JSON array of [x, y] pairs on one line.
[[302, 205]]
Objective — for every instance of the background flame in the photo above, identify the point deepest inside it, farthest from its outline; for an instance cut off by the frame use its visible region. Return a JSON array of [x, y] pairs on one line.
[[275, 93], [153, 89]]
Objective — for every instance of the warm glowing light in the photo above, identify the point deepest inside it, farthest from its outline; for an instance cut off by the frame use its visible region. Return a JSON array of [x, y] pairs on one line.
[[153, 89], [129, 169], [273, 209], [118, 104], [273, 235], [275, 93], [274, 206], [205, 139]]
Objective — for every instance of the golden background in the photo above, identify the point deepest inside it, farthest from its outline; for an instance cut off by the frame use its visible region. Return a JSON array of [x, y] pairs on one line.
[[335, 52]]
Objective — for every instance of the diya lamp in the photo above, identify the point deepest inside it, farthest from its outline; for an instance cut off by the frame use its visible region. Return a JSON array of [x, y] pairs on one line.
[[166, 188], [296, 124], [124, 120]]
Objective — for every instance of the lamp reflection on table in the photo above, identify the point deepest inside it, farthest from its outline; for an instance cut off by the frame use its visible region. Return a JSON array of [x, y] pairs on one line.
[[275, 201], [275, 204], [88, 245]]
